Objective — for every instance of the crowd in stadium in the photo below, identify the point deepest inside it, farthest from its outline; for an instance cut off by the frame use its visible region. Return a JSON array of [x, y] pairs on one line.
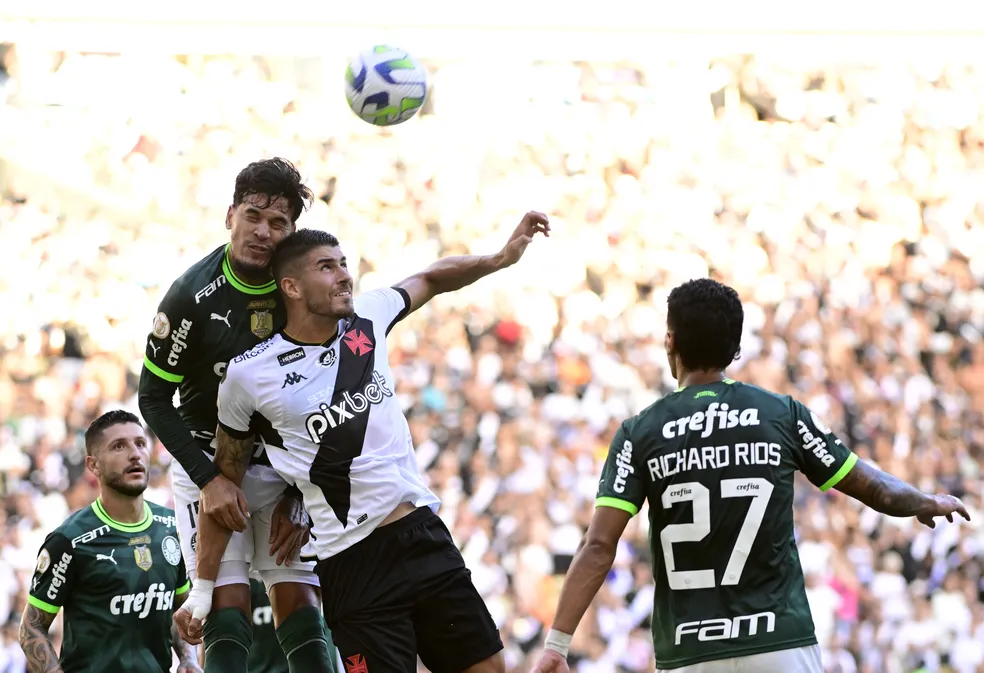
[[843, 202]]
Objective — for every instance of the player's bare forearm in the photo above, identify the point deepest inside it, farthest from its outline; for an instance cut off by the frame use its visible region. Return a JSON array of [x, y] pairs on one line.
[[449, 274], [232, 456], [212, 540], [187, 654], [33, 636], [884, 493], [594, 558], [584, 578]]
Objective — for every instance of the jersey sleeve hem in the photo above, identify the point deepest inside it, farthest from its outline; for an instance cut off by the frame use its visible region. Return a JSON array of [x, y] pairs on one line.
[[154, 369], [404, 312], [41, 605], [623, 505], [234, 433], [841, 473], [183, 589]]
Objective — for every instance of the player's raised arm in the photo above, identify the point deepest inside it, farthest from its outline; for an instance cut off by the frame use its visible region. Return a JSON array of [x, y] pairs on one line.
[[171, 349], [826, 462], [453, 273], [621, 493]]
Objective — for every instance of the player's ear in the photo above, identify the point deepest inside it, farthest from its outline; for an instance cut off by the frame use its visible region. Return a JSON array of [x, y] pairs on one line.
[[669, 343], [229, 217], [289, 288], [92, 465]]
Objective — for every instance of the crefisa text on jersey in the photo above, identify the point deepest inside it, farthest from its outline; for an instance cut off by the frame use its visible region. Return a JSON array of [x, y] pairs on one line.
[[703, 424]]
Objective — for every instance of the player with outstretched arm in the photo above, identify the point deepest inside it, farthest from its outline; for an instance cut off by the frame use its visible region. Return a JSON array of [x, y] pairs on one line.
[[715, 460], [115, 567], [321, 393]]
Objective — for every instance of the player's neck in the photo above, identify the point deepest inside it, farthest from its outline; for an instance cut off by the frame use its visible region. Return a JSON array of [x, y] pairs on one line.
[[122, 508], [699, 378], [250, 277], [312, 329]]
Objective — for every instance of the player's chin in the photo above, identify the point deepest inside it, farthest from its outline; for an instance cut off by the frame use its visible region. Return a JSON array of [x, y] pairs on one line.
[[343, 306], [131, 483]]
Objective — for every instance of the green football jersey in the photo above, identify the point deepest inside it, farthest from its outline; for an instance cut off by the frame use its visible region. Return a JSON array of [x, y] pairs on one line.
[[207, 318], [716, 464], [265, 655], [117, 583]]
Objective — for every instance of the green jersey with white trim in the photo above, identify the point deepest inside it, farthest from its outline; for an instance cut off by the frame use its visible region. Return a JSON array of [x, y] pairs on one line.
[[117, 583], [716, 464]]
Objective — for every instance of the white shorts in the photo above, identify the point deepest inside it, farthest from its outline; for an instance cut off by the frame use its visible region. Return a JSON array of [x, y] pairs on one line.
[[795, 660], [249, 551]]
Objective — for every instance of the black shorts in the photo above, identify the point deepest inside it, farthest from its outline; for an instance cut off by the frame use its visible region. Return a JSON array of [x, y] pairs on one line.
[[405, 592]]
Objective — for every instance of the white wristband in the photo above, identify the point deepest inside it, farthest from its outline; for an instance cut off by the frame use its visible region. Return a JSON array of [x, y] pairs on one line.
[[558, 642], [203, 586]]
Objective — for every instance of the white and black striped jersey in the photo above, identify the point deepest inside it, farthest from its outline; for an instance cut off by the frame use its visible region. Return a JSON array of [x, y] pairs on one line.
[[330, 421]]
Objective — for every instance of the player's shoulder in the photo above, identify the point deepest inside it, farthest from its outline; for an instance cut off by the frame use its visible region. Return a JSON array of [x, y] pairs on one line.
[[388, 299], [195, 281], [76, 526], [258, 356], [737, 395], [163, 516]]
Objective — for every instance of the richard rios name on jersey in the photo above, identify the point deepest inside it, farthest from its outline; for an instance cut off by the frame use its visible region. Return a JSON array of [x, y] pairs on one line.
[[716, 464], [330, 421]]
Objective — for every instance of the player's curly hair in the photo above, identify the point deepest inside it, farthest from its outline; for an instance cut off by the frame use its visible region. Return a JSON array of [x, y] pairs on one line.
[[95, 430], [272, 178], [294, 246], [706, 318]]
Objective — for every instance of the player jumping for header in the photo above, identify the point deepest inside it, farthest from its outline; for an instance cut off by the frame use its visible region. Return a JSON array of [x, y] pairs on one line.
[[716, 460], [222, 305], [115, 567], [323, 392]]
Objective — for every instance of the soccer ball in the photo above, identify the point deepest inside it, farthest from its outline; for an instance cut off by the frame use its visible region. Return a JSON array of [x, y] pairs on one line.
[[385, 85]]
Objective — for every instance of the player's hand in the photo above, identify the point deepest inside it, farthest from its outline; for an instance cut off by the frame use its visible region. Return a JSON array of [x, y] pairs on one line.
[[943, 505], [533, 223], [551, 662], [191, 614], [290, 527], [189, 667], [225, 502]]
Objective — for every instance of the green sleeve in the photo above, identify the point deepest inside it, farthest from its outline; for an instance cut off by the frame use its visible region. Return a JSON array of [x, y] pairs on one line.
[[54, 574], [622, 484], [817, 451]]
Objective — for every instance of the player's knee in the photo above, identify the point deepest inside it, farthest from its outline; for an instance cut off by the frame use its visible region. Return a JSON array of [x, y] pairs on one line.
[[228, 626], [286, 598], [494, 664], [231, 596]]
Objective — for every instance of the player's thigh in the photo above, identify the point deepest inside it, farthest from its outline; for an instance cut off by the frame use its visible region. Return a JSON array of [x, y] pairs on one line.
[[454, 628], [455, 631], [186, 510], [799, 659], [376, 642], [232, 588]]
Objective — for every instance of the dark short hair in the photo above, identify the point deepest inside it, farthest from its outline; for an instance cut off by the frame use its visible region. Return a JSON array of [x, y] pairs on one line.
[[96, 429], [706, 318], [273, 178], [294, 246]]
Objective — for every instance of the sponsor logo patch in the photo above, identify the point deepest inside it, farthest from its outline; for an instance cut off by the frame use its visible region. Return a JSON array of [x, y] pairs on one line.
[[290, 356], [162, 326]]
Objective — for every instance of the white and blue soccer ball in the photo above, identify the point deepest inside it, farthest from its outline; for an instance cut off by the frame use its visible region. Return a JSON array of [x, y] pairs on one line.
[[385, 85]]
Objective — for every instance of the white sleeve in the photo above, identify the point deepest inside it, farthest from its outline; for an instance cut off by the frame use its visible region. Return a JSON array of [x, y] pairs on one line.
[[236, 403], [385, 306]]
